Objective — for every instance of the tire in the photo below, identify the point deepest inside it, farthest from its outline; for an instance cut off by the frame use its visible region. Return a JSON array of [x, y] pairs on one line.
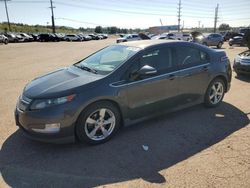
[[219, 45], [6, 42], [214, 98], [230, 44], [90, 127]]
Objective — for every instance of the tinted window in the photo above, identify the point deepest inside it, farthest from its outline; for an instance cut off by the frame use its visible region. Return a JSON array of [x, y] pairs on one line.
[[161, 59], [188, 57]]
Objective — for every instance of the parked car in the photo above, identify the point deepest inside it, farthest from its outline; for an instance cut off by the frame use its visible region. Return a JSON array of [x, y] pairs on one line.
[[236, 40], [3, 39], [129, 37], [72, 37], [94, 37], [48, 37], [160, 37], [174, 36], [20, 38], [87, 37], [213, 39], [60, 36], [35, 36], [242, 63], [11, 37], [27, 38], [93, 98], [229, 35]]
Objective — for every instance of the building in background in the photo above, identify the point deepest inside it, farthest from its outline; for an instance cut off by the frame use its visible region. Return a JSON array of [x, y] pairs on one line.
[[162, 29]]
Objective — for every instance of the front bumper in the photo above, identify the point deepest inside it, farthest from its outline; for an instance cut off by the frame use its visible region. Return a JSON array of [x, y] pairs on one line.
[[29, 121], [239, 68]]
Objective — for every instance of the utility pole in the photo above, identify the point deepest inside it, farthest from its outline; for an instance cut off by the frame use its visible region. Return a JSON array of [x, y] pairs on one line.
[[161, 22], [7, 14], [216, 17], [52, 16], [179, 15]]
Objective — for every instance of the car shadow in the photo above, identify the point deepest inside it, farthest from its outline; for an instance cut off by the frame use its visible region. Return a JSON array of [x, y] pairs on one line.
[[245, 78], [170, 139]]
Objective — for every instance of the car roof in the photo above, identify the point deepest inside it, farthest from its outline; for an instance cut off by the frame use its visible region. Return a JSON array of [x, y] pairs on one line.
[[147, 43]]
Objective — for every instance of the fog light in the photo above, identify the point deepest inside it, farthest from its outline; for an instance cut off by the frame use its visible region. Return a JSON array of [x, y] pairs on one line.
[[49, 128]]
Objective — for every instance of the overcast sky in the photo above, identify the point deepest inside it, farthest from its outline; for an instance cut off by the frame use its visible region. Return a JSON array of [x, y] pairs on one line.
[[127, 13]]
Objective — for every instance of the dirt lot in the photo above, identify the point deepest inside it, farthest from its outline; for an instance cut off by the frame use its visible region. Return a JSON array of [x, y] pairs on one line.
[[195, 147]]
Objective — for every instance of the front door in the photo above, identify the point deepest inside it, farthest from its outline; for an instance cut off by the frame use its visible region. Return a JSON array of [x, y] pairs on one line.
[[155, 93]]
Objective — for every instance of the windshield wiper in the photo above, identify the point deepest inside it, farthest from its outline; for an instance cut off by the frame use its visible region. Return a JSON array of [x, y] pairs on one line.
[[86, 68]]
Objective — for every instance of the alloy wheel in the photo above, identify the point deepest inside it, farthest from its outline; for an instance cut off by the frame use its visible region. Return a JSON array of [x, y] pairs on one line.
[[216, 93], [100, 124]]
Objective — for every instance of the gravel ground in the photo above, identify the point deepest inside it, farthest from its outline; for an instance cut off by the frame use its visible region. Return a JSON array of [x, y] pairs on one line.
[[194, 147]]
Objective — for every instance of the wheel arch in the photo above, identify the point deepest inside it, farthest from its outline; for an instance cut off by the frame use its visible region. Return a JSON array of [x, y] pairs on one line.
[[223, 78]]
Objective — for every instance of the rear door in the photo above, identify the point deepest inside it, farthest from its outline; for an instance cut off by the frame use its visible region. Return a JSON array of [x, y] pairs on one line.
[[194, 68]]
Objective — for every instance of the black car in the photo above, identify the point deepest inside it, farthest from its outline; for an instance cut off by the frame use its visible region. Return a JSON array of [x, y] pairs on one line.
[[229, 35], [93, 98], [47, 37], [242, 63], [236, 40]]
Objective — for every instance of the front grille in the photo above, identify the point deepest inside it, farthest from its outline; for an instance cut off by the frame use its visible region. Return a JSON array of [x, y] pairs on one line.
[[23, 103]]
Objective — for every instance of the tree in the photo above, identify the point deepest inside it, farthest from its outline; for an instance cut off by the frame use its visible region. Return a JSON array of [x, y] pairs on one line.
[[98, 29], [247, 39], [224, 27]]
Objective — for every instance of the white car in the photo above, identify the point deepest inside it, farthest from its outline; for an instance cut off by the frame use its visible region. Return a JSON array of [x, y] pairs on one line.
[[180, 36], [129, 37], [72, 38], [3, 39]]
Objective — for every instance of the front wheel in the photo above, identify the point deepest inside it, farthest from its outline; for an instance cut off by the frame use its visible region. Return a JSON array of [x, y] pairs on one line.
[[98, 123], [215, 93]]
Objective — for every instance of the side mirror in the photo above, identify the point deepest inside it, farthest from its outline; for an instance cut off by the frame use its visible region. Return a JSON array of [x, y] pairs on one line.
[[144, 72], [147, 70]]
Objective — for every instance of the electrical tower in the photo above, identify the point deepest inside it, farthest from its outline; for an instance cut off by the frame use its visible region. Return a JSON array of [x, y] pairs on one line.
[[179, 15], [52, 16], [7, 14], [216, 17]]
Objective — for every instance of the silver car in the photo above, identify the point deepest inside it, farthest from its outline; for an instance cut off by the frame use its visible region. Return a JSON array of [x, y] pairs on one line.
[[213, 39], [129, 37]]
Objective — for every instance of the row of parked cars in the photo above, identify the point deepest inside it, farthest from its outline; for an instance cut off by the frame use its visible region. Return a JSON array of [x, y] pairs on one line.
[[211, 39], [48, 37]]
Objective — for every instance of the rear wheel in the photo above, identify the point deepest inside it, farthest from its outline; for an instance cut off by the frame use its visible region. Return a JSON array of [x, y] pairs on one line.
[[215, 93], [98, 123], [6, 41]]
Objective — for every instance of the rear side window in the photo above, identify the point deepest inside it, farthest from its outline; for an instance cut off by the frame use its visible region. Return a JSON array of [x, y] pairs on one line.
[[189, 57]]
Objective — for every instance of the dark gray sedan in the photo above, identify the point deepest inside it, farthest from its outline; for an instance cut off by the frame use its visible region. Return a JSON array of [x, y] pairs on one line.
[[90, 100]]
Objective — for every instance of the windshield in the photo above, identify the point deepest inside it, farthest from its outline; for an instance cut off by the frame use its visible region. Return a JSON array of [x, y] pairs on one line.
[[108, 59]]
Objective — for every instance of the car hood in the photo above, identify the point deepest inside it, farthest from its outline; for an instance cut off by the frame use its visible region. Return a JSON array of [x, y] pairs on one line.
[[59, 83]]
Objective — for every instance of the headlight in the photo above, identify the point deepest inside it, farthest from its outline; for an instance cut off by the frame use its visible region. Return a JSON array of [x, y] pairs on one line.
[[44, 103]]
